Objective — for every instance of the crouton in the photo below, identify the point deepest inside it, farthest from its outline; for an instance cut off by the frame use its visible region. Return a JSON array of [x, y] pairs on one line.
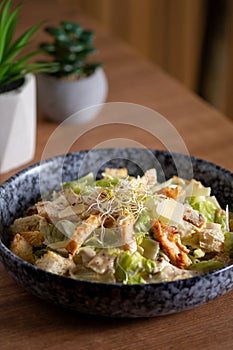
[[54, 263], [150, 177], [22, 248], [66, 205], [34, 238], [27, 223], [102, 262], [212, 239], [122, 173]]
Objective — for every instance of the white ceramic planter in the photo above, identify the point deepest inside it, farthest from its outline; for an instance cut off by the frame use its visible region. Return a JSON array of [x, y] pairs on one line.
[[18, 125], [60, 98]]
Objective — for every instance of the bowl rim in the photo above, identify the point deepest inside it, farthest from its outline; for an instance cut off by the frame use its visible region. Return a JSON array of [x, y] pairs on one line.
[[63, 156]]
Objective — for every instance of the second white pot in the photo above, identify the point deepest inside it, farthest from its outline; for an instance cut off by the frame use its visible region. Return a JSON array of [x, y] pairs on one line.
[[58, 99]]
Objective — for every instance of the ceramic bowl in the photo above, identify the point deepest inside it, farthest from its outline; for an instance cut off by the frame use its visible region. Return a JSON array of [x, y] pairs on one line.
[[115, 300]]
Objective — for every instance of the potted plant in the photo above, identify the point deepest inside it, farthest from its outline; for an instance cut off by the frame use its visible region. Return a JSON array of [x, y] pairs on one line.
[[17, 90], [76, 82]]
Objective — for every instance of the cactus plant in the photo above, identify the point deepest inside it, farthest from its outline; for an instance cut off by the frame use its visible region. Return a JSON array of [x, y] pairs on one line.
[[70, 50]]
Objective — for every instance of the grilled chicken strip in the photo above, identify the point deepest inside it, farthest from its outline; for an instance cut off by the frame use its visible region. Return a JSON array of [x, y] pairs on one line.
[[170, 241], [82, 232]]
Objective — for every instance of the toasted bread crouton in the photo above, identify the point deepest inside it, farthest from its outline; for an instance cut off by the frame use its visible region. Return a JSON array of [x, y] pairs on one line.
[[150, 177], [22, 248], [34, 238], [50, 209], [27, 223], [122, 173], [53, 262], [102, 262], [67, 206], [212, 239]]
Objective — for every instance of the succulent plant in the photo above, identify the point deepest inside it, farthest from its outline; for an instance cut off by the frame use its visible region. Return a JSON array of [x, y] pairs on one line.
[[70, 50], [13, 65]]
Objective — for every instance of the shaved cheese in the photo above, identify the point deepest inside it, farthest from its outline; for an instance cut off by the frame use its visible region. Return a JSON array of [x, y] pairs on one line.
[[196, 189], [213, 200], [170, 211]]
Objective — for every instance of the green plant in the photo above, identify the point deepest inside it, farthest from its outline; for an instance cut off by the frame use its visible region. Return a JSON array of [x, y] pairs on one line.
[[14, 65], [70, 49]]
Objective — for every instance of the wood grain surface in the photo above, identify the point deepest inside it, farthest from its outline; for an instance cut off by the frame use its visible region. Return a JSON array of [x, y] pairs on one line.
[[29, 323]]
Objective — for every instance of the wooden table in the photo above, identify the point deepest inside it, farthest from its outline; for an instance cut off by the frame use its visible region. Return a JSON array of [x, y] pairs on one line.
[[29, 323]]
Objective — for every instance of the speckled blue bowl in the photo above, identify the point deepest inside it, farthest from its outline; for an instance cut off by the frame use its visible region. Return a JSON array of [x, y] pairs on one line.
[[114, 300]]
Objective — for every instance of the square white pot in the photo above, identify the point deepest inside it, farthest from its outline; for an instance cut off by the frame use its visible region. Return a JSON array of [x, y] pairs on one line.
[[18, 125]]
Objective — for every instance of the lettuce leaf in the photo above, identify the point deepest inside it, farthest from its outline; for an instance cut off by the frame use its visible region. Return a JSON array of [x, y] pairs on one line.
[[66, 227], [150, 248], [143, 223], [80, 184], [130, 268], [207, 266], [108, 182], [221, 218], [204, 206], [228, 243]]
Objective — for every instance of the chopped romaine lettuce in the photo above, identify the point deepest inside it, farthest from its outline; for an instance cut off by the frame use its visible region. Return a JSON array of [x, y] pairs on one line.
[[51, 234], [131, 267], [150, 248], [191, 240], [207, 266], [143, 223], [108, 182], [39, 253], [204, 206], [228, 243], [105, 238], [222, 219], [80, 184], [198, 253], [66, 227]]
